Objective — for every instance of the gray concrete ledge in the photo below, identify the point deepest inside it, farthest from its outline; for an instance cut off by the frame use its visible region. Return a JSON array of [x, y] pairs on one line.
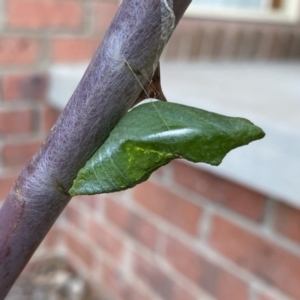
[[266, 93]]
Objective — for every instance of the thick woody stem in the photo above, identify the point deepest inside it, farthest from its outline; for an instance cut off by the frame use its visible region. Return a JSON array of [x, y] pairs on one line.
[[136, 38]]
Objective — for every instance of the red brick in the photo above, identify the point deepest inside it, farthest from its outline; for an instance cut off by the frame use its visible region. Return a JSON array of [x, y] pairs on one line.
[[77, 201], [131, 223], [186, 42], [154, 278], [18, 51], [105, 239], [247, 202], [172, 50], [16, 122], [230, 42], [196, 43], [294, 50], [266, 260], [180, 293], [79, 249], [265, 42], [169, 206], [37, 14], [210, 277], [159, 282], [266, 297], [24, 87], [186, 36], [94, 202], [73, 216], [287, 221], [116, 282], [51, 238], [6, 183], [105, 13], [73, 50], [49, 116], [182, 41], [18, 154]]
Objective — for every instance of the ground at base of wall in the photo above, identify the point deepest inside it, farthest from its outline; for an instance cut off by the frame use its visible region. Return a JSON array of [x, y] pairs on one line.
[[50, 279]]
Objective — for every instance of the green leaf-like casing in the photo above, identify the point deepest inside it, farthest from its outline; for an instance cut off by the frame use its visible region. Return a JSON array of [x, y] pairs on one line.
[[151, 135]]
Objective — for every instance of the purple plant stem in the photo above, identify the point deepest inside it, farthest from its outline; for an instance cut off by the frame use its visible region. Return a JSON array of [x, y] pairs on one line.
[[113, 81]]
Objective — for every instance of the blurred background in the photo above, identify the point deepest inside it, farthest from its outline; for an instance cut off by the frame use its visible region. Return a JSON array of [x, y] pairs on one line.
[[192, 231]]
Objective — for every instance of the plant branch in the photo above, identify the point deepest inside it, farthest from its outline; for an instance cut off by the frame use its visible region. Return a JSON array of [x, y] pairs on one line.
[[136, 37]]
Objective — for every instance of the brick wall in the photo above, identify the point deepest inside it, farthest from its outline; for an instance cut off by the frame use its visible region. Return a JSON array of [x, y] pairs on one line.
[[183, 235], [35, 34], [203, 39]]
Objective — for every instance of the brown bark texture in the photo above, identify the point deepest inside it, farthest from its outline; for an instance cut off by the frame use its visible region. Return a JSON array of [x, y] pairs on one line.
[[122, 65]]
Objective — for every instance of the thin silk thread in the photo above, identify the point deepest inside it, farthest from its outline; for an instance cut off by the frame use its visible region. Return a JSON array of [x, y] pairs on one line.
[[147, 93]]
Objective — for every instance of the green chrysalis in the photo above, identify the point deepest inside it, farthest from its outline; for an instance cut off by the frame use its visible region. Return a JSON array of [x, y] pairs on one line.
[[153, 134]]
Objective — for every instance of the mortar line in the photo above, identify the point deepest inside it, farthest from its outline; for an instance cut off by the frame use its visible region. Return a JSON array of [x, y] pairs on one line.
[[268, 221]]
